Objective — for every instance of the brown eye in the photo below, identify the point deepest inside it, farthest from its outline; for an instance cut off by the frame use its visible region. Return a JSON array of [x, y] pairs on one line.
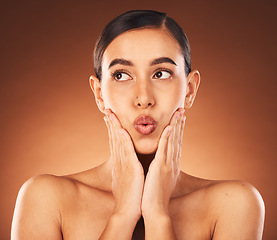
[[121, 76], [118, 76], [162, 75], [159, 74]]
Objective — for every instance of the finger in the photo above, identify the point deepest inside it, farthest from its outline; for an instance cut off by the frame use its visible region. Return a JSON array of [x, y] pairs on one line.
[[177, 145], [115, 120], [177, 156], [116, 144], [118, 137], [129, 146], [174, 117], [172, 139], [113, 117], [123, 150], [108, 123], [182, 132], [161, 153], [170, 147], [120, 146], [177, 138], [108, 111], [116, 140]]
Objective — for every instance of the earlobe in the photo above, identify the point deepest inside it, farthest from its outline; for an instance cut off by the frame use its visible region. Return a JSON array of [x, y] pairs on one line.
[[192, 87], [96, 89]]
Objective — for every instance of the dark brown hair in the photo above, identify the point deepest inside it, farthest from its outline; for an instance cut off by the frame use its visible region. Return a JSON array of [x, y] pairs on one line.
[[137, 19]]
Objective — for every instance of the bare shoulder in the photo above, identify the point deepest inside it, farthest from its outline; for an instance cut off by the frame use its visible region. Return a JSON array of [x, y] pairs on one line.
[[53, 190], [224, 192], [225, 209], [45, 180], [37, 209], [238, 208], [233, 190], [45, 187], [234, 196], [41, 203]]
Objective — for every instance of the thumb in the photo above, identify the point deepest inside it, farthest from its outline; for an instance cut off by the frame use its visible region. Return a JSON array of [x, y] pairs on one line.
[[163, 143]]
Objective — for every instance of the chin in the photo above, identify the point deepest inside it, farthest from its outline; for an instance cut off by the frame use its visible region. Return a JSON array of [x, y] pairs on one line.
[[146, 146]]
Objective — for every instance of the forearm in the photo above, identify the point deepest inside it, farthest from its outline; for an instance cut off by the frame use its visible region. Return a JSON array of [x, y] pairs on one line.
[[119, 227], [159, 227]]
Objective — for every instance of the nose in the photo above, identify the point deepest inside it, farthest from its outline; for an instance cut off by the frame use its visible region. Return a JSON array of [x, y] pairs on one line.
[[144, 96]]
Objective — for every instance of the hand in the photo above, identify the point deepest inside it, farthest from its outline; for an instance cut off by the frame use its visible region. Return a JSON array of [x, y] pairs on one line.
[[164, 170], [127, 173]]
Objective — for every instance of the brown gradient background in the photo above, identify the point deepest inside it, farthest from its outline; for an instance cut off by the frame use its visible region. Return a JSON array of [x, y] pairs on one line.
[[50, 122]]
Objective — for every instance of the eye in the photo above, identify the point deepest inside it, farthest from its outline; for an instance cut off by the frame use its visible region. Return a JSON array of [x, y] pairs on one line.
[[163, 74], [121, 76]]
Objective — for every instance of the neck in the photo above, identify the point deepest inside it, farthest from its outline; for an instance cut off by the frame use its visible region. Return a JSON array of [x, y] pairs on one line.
[[145, 160]]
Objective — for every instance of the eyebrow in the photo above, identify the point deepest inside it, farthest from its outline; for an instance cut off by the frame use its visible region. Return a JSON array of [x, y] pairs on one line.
[[120, 61], [162, 60], [156, 61]]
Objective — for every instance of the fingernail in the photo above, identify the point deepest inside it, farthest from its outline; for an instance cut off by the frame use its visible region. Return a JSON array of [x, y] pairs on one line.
[[106, 120], [106, 112], [181, 111], [169, 130], [112, 116], [184, 119]]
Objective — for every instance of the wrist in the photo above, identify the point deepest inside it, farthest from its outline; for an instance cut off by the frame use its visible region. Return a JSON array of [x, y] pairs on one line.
[[127, 216], [154, 210], [119, 226], [162, 220], [159, 226], [154, 215]]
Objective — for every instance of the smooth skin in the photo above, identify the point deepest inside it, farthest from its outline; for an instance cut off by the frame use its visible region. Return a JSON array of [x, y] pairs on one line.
[[142, 177], [151, 198]]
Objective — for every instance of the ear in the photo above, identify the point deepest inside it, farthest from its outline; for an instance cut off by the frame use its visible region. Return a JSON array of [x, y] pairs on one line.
[[96, 88], [193, 82]]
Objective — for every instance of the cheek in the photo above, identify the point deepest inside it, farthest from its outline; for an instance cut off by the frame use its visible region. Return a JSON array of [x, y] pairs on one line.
[[108, 95], [114, 100], [174, 96], [181, 93]]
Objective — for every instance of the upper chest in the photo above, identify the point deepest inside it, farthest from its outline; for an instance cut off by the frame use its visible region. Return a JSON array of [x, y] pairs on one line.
[[85, 215]]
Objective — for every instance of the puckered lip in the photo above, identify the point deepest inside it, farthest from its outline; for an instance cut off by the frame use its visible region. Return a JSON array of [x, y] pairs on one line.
[[145, 124]]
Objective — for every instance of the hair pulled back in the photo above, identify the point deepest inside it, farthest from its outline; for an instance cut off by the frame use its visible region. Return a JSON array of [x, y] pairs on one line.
[[137, 19]]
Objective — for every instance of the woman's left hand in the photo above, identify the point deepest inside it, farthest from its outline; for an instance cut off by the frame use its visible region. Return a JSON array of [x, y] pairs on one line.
[[164, 170]]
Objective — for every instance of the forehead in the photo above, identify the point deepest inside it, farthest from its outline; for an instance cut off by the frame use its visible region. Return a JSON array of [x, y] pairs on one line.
[[143, 45]]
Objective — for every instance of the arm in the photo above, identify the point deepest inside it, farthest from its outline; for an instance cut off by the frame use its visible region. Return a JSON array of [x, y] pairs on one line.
[[161, 181], [119, 227], [36, 214], [159, 226], [127, 182], [240, 212]]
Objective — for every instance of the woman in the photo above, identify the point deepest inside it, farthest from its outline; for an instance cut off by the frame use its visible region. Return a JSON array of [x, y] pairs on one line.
[[143, 85]]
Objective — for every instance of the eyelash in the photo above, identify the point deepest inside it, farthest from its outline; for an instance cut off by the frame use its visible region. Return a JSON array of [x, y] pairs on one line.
[[113, 74], [165, 70]]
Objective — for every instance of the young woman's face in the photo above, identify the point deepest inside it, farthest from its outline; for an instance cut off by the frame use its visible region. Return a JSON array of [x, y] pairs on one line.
[[143, 75]]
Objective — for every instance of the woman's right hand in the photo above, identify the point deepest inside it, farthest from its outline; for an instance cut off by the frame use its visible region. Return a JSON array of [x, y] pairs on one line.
[[127, 174]]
